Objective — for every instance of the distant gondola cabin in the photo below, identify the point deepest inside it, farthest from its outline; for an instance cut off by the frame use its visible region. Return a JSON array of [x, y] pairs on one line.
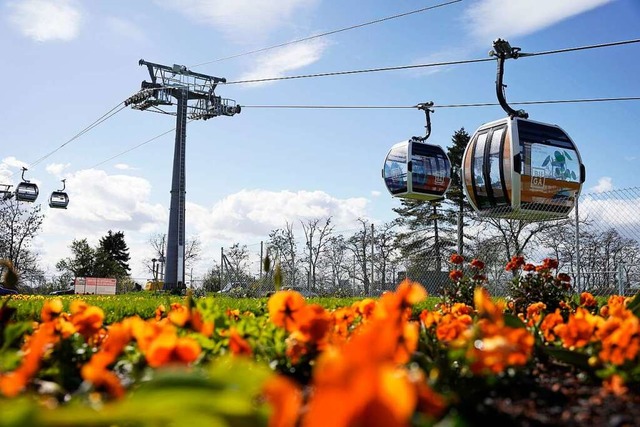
[[416, 170], [522, 169]]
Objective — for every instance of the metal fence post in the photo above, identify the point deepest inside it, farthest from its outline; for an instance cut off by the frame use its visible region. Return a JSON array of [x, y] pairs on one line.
[[578, 282]]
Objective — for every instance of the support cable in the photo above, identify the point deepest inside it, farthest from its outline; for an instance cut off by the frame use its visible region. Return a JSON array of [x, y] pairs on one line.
[[479, 104], [433, 64], [115, 110], [328, 33], [387, 107]]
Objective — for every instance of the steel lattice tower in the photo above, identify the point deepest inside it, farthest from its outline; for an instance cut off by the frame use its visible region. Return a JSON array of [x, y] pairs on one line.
[[195, 99]]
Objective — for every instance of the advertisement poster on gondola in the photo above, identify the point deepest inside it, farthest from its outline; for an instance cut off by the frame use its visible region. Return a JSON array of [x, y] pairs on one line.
[[553, 175]]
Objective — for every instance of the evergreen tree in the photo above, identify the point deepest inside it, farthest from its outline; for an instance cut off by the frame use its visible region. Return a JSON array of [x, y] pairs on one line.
[[112, 255], [458, 202], [427, 235]]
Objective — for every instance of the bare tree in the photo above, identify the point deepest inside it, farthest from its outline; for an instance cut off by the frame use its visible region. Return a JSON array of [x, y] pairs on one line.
[[238, 257], [336, 252], [385, 248], [158, 241], [515, 234], [282, 246], [18, 227], [360, 244], [313, 229]]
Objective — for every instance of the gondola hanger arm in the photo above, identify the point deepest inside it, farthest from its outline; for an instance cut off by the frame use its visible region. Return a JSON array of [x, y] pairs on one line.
[[426, 107], [502, 50]]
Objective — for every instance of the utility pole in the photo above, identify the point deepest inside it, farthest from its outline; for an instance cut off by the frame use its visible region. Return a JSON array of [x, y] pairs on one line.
[[195, 99]]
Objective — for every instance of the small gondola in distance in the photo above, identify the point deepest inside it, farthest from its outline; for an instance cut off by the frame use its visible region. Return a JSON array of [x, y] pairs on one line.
[[417, 170], [59, 199], [26, 191]]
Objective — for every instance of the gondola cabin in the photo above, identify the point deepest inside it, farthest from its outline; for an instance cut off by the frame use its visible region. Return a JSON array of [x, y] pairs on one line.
[[58, 200], [522, 169], [27, 192], [415, 170]]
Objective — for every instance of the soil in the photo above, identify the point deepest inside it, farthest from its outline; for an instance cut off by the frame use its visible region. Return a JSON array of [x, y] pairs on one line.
[[556, 396]]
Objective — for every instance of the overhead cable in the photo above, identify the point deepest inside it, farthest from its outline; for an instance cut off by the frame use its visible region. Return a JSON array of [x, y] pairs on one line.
[[328, 33], [133, 148], [98, 121], [433, 64], [479, 104]]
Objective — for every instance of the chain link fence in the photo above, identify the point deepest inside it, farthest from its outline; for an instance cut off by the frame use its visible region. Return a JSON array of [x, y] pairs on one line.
[[596, 242]]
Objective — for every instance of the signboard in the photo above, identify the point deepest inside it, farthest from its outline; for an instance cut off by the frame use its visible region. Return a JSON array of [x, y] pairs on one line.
[[95, 286]]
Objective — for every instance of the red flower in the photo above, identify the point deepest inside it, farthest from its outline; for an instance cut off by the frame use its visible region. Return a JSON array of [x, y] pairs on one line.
[[515, 263], [477, 264], [456, 275], [456, 259]]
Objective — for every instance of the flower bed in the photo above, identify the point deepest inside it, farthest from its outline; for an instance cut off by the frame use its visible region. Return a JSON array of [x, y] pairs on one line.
[[534, 359]]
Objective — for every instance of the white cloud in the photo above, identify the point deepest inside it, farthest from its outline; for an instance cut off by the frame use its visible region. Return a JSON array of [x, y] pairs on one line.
[[123, 166], [240, 20], [46, 20], [99, 204], [126, 29], [278, 62], [252, 214], [491, 19], [604, 184], [375, 193], [97, 201], [56, 169]]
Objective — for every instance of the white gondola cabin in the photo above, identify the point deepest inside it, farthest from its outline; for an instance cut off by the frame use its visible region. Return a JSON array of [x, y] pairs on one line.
[[416, 170], [522, 169]]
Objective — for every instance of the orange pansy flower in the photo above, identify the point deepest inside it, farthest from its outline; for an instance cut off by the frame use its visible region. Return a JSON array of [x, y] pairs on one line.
[[238, 345], [284, 308], [285, 399], [51, 309]]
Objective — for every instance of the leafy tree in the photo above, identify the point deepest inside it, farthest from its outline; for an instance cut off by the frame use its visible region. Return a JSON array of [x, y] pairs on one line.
[[82, 261], [109, 259]]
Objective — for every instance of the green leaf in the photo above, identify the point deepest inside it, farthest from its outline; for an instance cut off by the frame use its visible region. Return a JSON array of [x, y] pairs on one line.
[[513, 321], [574, 358], [14, 332]]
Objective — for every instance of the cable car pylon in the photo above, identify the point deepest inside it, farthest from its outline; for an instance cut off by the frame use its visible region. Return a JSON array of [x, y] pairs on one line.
[[195, 99]]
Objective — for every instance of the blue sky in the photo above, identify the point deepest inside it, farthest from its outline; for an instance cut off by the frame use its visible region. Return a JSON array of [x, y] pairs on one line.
[[65, 63]]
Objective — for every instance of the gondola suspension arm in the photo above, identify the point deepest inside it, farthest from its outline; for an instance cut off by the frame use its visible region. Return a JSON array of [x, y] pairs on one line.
[[502, 50], [426, 107]]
